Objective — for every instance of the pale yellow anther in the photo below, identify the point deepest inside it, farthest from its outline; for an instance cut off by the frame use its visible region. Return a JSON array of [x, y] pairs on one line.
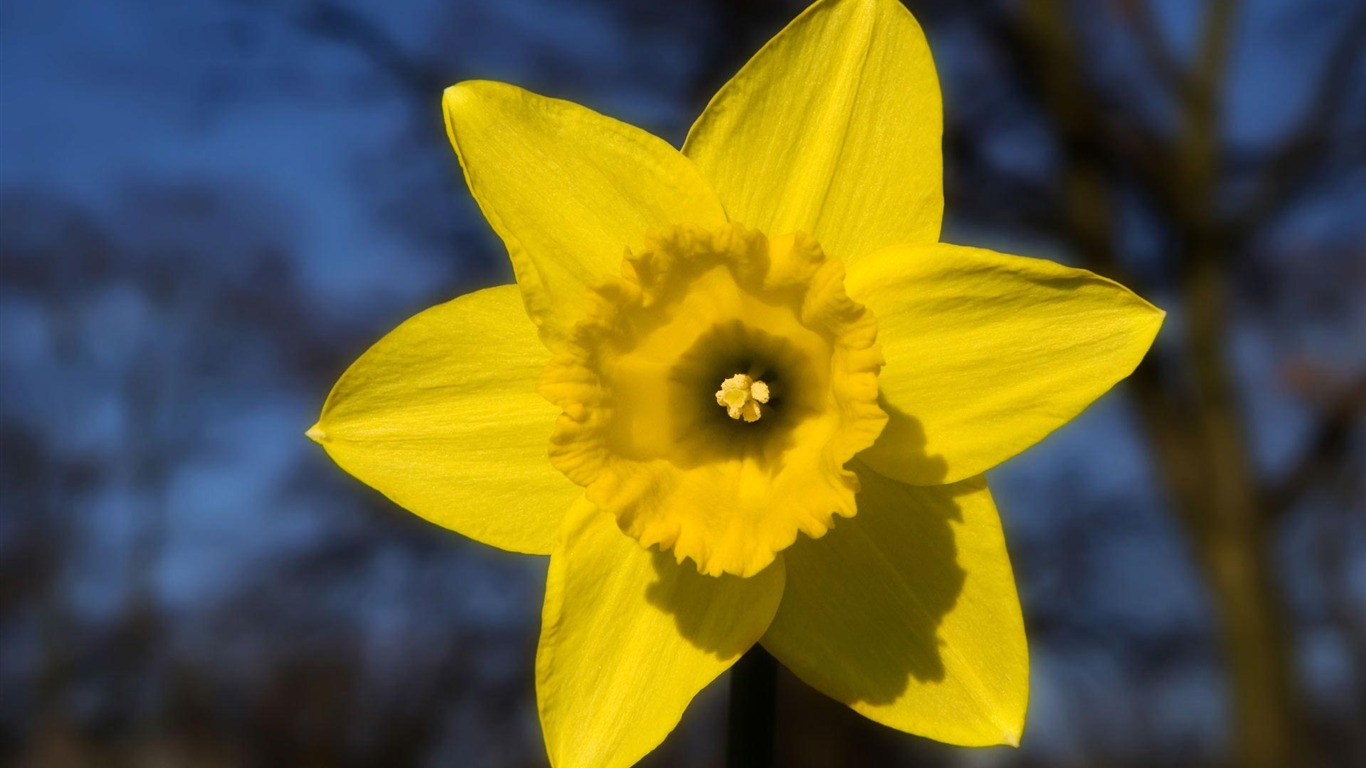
[[741, 396]]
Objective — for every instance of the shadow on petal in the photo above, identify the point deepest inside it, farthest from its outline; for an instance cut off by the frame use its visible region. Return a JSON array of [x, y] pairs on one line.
[[722, 615], [907, 612], [863, 604]]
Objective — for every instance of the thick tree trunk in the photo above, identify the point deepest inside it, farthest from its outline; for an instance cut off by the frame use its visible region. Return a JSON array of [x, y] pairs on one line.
[[1195, 426], [1227, 520], [1255, 646]]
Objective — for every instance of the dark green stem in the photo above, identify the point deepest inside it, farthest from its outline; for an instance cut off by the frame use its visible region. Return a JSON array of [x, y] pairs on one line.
[[749, 727]]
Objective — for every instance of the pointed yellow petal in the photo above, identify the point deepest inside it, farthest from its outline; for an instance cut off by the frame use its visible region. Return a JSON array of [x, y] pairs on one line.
[[628, 637], [568, 190], [908, 614], [988, 353], [832, 129], [442, 416]]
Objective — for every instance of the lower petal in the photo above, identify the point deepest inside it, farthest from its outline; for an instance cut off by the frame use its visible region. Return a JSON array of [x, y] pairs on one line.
[[908, 614], [629, 637]]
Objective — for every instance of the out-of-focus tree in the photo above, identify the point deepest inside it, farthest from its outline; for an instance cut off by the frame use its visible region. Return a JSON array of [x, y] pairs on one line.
[[1080, 124], [134, 338], [122, 332], [1150, 139]]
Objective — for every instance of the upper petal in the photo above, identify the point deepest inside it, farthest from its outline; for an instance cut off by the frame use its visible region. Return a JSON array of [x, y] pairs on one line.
[[442, 416], [988, 353], [629, 637], [908, 614], [833, 129], [567, 189]]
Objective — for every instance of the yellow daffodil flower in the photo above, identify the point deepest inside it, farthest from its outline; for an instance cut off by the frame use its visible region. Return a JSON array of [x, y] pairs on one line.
[[754, 399]]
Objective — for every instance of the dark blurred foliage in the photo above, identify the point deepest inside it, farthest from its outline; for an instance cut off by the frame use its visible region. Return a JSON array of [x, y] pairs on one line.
[[208, 209]]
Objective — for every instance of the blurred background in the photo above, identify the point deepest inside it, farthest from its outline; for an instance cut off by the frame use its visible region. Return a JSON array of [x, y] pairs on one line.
[[209, 208]]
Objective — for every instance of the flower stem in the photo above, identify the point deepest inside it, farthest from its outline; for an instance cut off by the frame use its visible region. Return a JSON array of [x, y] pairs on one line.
[[749, 727]]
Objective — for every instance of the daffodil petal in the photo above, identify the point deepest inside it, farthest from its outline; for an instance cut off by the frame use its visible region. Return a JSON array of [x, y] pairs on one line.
[[568, 190], [442, 416], [629, 637], [987, 353], [833, 129], [908, 614]]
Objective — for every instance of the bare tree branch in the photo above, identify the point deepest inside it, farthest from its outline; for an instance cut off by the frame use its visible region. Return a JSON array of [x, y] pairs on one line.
[[1327, 447], [1104, 130], [346, 26], [1198, 171], [1302, 154], [1154, 49], [1010, 199]]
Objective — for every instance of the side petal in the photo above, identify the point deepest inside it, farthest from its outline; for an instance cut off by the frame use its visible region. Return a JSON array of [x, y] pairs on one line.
[[442, 416], [833, 129], [568, 190], [629, 637], [908, 614], [988, 353]]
